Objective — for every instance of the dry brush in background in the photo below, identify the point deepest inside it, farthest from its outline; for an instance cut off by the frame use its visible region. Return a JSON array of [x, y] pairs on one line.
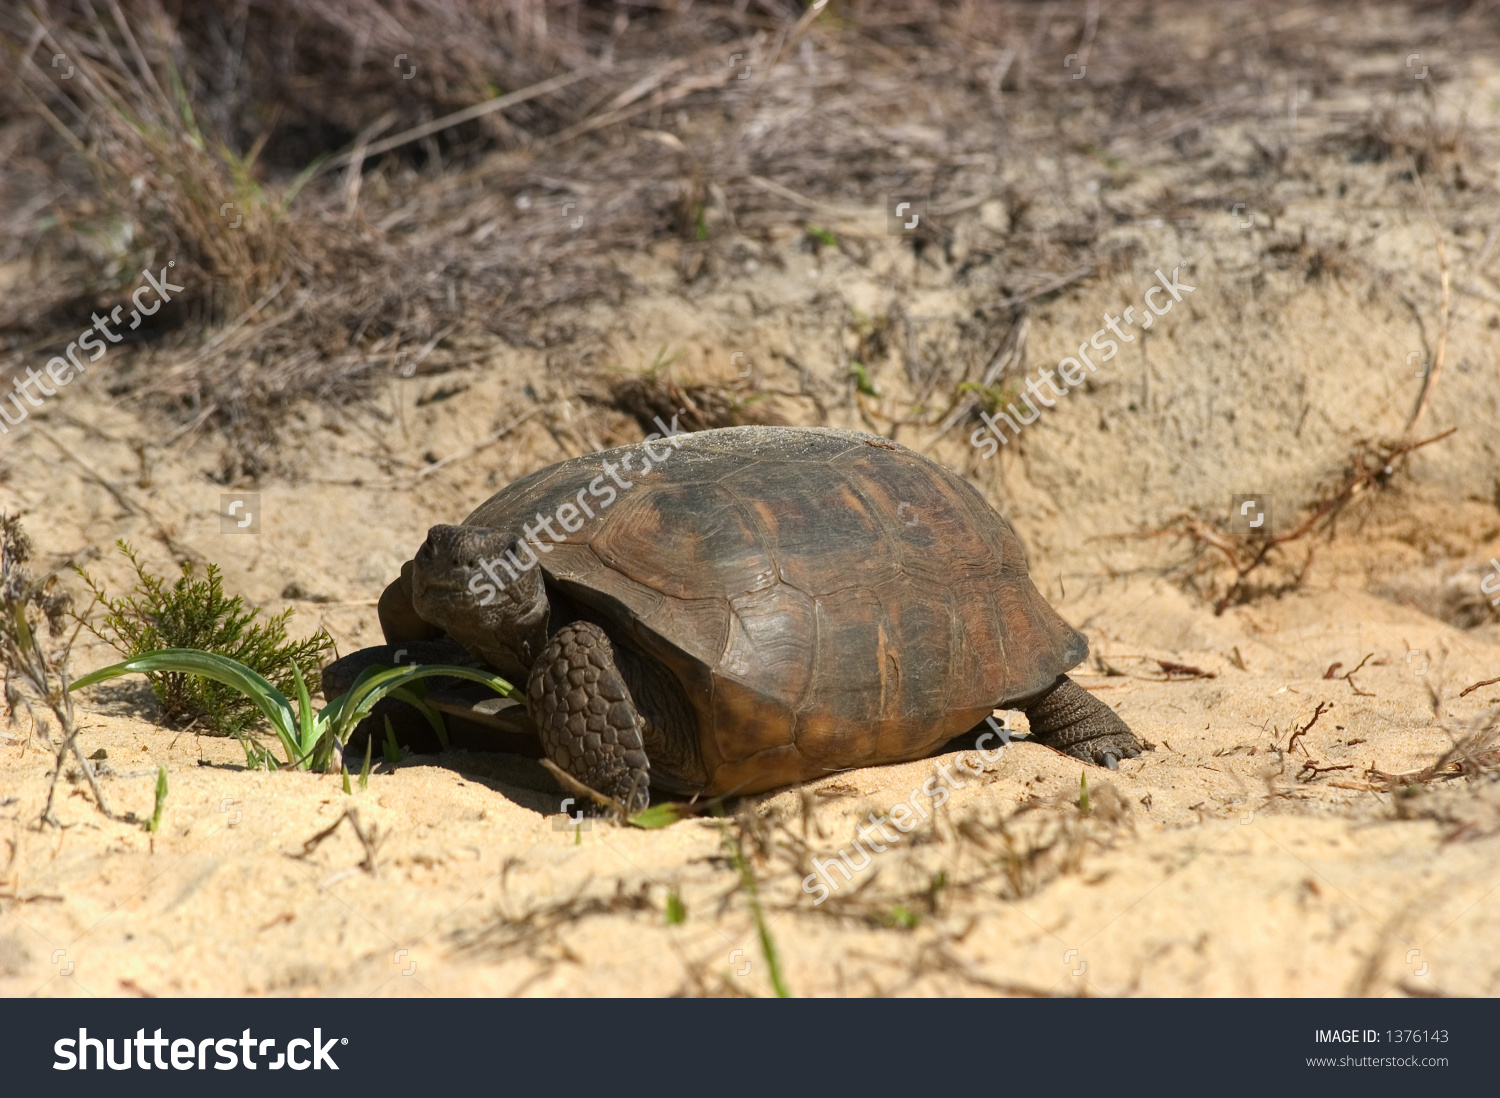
[[356, 189]]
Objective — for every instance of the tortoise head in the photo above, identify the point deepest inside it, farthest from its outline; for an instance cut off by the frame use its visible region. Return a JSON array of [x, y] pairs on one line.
[[482, 587]]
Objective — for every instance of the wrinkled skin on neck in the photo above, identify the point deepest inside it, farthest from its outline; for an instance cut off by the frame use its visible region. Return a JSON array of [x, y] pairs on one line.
[[503, 623]]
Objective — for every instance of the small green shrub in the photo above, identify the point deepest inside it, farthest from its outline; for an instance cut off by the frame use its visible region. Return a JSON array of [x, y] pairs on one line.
[[194, 613]]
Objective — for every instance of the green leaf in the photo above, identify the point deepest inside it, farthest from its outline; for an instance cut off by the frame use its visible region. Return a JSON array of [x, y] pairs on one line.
[[658, 815], [416, 697], [307, 737], [390, 748], [676, 913], [763, 928], [374, 683], [364, 771], [153, 825], [902, 916], [302, 179], [1083, 793], [307, 727], [861, 377], [272, 703], [663, 360]]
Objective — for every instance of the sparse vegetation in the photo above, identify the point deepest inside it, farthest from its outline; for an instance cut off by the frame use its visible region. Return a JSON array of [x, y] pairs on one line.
[[195, 613], [36, 672], [751, 891], [309, 739], [1370, 467]]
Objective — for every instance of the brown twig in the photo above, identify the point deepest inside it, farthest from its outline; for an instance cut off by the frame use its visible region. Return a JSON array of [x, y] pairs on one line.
[[1303, 730], [1349, 678], [1312, 770], [1470, 689], [1368, 467], [368, 842], [1471, 754], [180, 550], [1429, 382], [573, 785], [468, 114]]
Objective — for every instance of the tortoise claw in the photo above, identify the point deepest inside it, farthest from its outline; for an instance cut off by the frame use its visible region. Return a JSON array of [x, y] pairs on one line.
[[1110, 760]]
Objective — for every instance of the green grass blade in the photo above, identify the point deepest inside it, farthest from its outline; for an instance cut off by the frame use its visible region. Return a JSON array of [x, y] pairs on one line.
[[364, 771], [307, 726], [375, 683], [762, 928], [153, 825], [271, 702], [302, 179], [416, 698]]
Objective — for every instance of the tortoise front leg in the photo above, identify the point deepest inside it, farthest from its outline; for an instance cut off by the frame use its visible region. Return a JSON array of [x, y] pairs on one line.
[[1067, 717], [588, 722]]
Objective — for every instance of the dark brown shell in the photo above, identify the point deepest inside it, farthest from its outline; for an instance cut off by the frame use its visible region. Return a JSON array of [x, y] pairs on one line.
[[827, 599]]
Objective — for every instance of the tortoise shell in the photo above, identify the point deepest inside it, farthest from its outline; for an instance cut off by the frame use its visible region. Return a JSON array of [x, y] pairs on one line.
[[827, 599]]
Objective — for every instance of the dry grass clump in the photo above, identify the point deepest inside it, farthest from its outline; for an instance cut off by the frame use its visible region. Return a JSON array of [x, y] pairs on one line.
[[1461, 788], [37, 664], [652, 397], [125, 110]]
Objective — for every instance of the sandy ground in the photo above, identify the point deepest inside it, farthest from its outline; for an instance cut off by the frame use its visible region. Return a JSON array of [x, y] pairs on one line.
[[1229, 861], [1216, 865], [1219, 864]]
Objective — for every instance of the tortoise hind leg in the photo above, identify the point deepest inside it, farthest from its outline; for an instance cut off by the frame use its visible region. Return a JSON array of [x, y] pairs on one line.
[[588, 722], [1067, 717]]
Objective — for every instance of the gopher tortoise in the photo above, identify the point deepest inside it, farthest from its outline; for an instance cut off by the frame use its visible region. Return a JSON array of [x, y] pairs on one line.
[[734, 610]]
